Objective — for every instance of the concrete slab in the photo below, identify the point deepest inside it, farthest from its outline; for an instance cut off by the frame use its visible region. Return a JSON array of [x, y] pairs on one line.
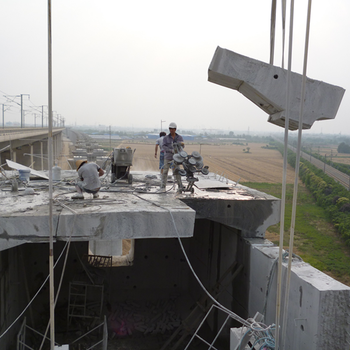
[[265, 85], [113, 217], [236, 206], [126, 211]]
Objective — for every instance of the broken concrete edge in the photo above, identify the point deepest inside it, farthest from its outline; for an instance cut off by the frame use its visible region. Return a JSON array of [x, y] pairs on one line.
[[316, 300], [265, 85], [124, 215]]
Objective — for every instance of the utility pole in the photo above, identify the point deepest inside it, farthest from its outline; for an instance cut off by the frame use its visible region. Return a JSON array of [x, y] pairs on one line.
[[3, 115], [110, 139], [42, 115], [22, 116]]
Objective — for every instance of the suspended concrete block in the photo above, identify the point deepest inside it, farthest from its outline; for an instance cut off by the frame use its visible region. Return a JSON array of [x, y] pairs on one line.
[[266, 86]]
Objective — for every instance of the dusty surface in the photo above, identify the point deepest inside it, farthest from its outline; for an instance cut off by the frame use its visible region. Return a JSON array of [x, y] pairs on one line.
[[259, 165]]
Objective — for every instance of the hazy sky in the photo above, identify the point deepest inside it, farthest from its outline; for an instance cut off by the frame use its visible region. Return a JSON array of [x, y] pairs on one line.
[[136, 63]]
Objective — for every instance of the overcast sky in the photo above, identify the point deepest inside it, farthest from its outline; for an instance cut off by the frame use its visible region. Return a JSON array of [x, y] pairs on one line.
[[137, 63]]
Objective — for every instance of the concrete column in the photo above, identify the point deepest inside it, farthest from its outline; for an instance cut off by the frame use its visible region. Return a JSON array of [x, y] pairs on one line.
[[45, 147], [54, 149], [41, 155], [31, 156], [14, 158]]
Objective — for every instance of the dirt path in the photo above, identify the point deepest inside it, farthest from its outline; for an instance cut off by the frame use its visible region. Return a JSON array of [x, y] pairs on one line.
[[67, 147]]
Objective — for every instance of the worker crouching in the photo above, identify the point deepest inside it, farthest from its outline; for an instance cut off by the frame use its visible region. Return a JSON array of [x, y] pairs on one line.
[[89, 179]]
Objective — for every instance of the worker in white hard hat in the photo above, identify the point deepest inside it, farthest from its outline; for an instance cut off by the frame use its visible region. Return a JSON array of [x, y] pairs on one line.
[[89, 178], [159, 143], [169, 150]]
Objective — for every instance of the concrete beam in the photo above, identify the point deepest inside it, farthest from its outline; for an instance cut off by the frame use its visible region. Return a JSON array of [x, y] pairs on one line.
[[125, 214], [242, 208], [25, 218], [265, 85]]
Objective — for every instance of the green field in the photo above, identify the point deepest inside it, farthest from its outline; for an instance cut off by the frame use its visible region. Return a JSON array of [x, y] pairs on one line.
[[316, 240]]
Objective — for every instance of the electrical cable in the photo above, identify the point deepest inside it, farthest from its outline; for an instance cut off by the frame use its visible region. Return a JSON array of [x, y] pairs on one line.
[[267, 337]]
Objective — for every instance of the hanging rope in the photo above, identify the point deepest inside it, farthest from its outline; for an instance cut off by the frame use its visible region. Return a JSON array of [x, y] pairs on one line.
[[272, 30], [283, 199], [297, 164], [283, 29]]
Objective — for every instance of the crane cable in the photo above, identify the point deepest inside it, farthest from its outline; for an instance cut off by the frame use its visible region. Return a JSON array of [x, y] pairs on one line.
[[283, 199], [296, 179], [272, 30]]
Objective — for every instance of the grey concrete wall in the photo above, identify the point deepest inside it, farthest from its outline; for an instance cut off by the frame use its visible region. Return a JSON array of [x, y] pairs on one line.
[[159, 271], [318, 309], [13, 294], [319, 306], [213, 250]]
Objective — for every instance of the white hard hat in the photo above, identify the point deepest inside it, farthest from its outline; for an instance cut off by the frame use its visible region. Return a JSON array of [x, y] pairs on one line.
[[172, 125]]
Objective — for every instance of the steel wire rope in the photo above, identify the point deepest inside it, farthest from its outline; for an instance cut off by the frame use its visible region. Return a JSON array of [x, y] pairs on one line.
[[272, 30], [7, 98], [36, 294], [284, 178], [296, 178], [63, 269]]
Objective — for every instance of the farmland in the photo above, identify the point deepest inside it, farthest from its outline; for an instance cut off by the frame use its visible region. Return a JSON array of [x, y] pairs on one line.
[[228, 160]]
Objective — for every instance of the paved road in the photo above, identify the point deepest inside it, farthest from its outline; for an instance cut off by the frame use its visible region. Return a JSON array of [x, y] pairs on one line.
[[337, 175]]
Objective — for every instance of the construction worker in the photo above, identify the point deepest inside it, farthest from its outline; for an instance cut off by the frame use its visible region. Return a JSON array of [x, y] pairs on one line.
[[168, 147], [89, 174], [159, 143]]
